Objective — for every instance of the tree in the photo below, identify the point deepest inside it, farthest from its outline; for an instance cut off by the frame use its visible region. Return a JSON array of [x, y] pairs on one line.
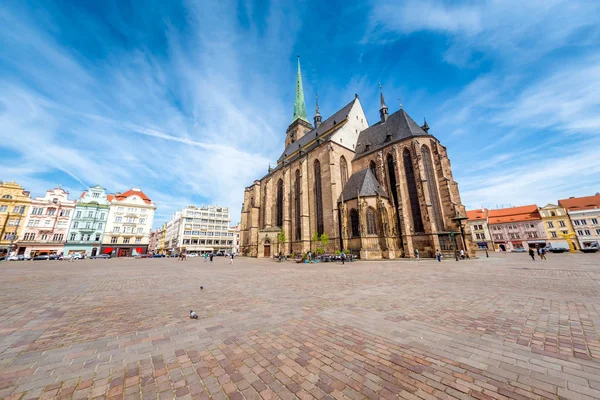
[[280, 239]]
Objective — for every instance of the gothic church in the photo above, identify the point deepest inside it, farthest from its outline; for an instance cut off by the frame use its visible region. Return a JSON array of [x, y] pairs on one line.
[[380, 191]]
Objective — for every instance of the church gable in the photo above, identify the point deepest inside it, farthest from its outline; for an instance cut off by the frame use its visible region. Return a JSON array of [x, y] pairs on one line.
[[364, 184], [356, 121]]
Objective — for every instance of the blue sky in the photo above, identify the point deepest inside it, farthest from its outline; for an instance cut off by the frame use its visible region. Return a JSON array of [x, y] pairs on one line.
[[190, 101]]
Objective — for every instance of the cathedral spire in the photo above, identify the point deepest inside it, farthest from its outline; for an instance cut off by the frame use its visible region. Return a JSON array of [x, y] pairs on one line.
[[383, 111], [299, 106], [318, 117]]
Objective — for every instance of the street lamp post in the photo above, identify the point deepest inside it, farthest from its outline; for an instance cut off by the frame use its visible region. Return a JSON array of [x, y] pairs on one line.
[[455, 246], [459, 219]]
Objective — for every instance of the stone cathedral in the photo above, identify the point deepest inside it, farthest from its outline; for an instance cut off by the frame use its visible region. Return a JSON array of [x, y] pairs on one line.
[[380, 191]]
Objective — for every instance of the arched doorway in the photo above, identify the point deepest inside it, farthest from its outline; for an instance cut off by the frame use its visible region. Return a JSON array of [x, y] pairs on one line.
[[94, 250], [267, 249]]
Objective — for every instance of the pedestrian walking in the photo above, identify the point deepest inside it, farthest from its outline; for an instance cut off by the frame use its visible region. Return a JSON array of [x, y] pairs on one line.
[[343, 256], [532, 253], [462, 254], [417, 254], [211, 256], [231, 258], [543, 253], [438, 255], [205, 256]]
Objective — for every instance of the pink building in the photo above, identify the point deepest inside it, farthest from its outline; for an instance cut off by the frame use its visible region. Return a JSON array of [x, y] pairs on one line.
[[47, 224], [517, 228]]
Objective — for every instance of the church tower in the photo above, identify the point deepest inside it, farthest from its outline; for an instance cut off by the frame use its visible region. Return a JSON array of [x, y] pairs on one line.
[[300, 124]]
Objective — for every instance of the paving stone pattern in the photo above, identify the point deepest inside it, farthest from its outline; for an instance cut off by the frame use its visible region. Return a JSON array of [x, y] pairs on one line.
[[503, 327]]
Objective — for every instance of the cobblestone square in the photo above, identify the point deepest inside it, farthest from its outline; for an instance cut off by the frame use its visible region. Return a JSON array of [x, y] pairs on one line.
[[503, 327]]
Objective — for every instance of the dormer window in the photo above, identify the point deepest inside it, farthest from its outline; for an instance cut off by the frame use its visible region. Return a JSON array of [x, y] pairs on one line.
[[55, 200]]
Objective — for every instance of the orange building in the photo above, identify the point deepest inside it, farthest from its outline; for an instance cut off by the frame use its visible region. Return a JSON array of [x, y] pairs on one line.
[[517, 229]]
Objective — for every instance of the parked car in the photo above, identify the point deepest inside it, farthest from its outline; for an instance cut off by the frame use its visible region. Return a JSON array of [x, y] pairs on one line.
[[519, 250], [101, 256], [158, 256], [193, 255], [44, 257], [20, 257]]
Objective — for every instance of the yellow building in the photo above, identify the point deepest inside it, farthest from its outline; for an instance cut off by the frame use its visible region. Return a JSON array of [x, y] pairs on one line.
[[557, 225], [160, 248], [14, 207]]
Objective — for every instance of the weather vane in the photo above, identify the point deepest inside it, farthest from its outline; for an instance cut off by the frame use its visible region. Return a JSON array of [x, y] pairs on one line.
[[400, 100]]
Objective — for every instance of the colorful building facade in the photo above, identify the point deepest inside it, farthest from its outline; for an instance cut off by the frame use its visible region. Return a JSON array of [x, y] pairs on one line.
[[88, 222], [584, 213], [480, 233], [14, 207], [517, 228], [557, 225], [129, 224], [47, 224]]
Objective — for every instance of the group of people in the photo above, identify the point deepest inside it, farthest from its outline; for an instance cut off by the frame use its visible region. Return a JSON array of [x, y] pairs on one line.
[[438, 255], [540, 251]]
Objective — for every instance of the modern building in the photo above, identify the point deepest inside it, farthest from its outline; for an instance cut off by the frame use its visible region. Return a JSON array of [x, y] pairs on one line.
[[480, 233], [380, 191], [517, 228], [584, 213], [203, 229], [47, 224], [88, 222], [129, 224], [557, 225], [14, 207]]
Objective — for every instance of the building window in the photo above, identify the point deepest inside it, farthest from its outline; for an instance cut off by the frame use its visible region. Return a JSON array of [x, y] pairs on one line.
[[113, 240], [51, 211], [279, 208], [118, 219], [128, 229], [597, 231], [96, 195], [562, 223], [553, 234], [125, 240], [29, 236], [88, 225], [75, 225], [142, 221], [432, 186], [319, 199], [371, 222], [413, 195], [587, 232], [594, 221], [116, 229], [580, 233], [550, 225], [8, 235], [140, 230], [13, 222], [297, 205], [138, 240], [4, 208], [57, 237], [97, 237], [354, 223], [576, 221], [7, 196], [373, 169], [47, 222], [100, 225], [87, 238], [121, 209], [343, 170], [101, 215], [73, 236]]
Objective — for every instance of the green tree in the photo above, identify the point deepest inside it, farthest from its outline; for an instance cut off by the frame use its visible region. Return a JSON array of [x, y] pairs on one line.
[[280, 239]]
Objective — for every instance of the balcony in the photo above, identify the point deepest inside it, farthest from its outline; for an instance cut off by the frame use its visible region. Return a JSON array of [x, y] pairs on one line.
[[83, 241]]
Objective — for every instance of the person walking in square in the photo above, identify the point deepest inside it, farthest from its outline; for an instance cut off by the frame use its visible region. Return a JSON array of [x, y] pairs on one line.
[[205, 256], [532, 253], [343, 256], [542, 253], [417, 254], [438, 255], [231, 258], [211, 257], [462, 254]]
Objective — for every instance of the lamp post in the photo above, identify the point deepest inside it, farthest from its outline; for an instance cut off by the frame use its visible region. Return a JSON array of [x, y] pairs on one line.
[[455, 246]]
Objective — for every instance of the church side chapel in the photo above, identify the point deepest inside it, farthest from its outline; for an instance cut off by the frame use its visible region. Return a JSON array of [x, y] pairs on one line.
[[379, 191]]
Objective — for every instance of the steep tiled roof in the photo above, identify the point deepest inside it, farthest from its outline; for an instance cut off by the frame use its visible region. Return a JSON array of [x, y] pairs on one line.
[[580, 203], [479, 214], [514, 214], [362, 183], [325, 126], [131, 192], [398, 126]]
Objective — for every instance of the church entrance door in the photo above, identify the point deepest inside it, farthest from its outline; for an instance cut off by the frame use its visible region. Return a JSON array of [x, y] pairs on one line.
[[267, 251]]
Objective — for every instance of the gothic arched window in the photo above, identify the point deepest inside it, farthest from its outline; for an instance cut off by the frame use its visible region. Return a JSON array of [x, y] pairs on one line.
[[319, 199], [413, 195], [344, 170], [373, 169], [297, 210], [392, 175], [280, 203], [354, 223], [433, 189], [371, 222]]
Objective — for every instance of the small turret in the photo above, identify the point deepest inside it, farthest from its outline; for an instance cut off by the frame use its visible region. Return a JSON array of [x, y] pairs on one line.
[[318, 117], [425, 127], [383, 111]]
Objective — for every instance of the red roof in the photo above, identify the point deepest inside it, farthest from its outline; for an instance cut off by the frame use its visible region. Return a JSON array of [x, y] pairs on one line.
[[580, 203], [514, 214], [479, 214], [83, 194], [123, 196]]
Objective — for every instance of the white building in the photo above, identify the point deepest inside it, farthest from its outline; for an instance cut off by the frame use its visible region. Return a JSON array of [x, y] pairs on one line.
[[47, 224], [203, 229], [129, 224], [236, 238], [584, 213]]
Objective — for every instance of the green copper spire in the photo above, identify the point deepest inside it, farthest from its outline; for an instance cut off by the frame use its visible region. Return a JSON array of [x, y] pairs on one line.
[[299, 106]]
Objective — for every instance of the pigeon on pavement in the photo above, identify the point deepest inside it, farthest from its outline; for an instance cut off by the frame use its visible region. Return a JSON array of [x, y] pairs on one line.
[[193, 315]]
